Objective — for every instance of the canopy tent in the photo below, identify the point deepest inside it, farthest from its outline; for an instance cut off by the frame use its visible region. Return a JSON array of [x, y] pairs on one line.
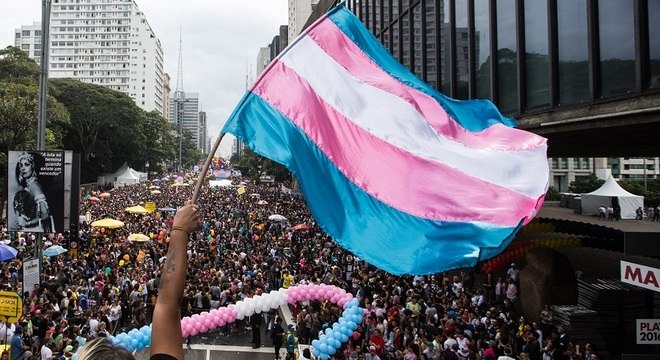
[[610, 193], [123, 176]]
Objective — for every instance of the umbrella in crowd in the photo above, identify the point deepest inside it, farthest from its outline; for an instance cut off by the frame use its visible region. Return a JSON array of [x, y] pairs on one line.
[[302, 227], [93, 199], [7, 252], [167, 209], [104, 195], [262, 202], [277, 217], [137, 209], [54, 251], [108, 223], [155, 192], [138, 238], [154, 187]]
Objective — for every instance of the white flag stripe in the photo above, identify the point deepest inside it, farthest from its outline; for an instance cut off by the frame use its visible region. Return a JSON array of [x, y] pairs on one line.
[[332, 82]]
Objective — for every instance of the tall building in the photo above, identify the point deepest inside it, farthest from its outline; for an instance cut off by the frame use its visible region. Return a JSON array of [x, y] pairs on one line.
[[104, 42], [280, 42], [28, 39], [202, 138], [184, 113], [540, 62], [167, 88], [263, 59], [299, 12]]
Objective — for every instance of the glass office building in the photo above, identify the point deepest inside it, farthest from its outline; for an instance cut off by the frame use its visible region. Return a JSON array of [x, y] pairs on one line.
[[527, 56]]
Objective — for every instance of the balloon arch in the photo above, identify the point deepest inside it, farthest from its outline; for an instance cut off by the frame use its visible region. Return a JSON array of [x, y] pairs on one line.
[[325, 346]]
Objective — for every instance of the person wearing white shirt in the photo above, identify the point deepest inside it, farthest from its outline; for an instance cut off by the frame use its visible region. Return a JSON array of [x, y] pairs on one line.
[[46, 352], [507, 354]]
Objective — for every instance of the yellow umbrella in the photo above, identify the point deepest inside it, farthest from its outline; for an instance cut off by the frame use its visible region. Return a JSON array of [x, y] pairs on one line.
[[154, 187], [155, 192], [137, 209], [138, 238], [104, 195], [179, 184], [108, 223]]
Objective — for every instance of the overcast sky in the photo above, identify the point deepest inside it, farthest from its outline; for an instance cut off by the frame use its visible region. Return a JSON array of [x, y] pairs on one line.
[[220, 44]]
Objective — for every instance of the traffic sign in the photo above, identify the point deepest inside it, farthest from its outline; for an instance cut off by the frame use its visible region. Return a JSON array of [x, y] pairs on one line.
[[11, 306], [150, 206]]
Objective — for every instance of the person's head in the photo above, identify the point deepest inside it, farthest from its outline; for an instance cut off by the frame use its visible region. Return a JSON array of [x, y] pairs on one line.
[[102, 349], [306, 353], [27, 166]]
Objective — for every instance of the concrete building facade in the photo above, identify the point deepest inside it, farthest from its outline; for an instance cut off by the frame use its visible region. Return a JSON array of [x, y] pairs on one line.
[[184, 114], [104, 42], [299, 12]]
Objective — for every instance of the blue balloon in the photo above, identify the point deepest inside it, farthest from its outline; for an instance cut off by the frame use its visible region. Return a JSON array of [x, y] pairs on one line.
[[337, 343], [323, 348], [341, 320], [324, 356], [315, 352], [351, 325], [344, 338], [329, 332], [332, 351], [134, 343], [316, 343]]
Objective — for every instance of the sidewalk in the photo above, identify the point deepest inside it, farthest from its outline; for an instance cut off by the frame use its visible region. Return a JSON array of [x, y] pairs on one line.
[[555, 212]]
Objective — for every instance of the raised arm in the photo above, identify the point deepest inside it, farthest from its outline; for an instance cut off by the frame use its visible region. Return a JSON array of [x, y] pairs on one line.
[[166, 328]]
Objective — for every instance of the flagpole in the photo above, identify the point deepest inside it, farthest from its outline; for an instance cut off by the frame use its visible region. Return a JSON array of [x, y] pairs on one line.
[[205, 169]]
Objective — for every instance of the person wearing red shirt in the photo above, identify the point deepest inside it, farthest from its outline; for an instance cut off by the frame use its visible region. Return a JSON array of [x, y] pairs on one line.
[[376, 339]]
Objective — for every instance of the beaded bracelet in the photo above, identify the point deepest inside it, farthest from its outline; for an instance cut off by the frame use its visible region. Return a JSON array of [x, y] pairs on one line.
[[181, 228]]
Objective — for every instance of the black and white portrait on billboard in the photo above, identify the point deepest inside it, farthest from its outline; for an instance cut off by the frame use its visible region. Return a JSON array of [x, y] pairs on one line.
[[36, 180]]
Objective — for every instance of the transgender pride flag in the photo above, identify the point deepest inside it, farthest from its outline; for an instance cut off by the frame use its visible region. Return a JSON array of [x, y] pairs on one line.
[[405, 178]]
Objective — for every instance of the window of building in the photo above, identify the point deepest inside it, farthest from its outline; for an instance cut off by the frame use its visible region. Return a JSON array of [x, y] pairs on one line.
[[654, 43], [616, 26], [26, 33], [482, 47], [461, 55], [507, 61], [573, 55], [536, 54]]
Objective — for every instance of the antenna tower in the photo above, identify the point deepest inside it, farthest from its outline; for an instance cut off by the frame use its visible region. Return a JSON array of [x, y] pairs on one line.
[[179, 73]]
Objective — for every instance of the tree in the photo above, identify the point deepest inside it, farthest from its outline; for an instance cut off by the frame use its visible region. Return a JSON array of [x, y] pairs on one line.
[[17, 67], [160, 143], [19, 108], [190, 154], [585, 184], [105, 126]]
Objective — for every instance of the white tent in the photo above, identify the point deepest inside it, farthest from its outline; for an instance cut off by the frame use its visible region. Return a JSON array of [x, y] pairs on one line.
[[123, 176], [605, 195]]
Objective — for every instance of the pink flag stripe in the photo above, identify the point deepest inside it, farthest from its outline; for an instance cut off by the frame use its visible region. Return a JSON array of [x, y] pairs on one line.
[[417, 186], [499, 136]]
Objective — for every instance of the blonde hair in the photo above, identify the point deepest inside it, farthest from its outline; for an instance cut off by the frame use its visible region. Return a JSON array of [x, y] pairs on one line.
[[102, 349]]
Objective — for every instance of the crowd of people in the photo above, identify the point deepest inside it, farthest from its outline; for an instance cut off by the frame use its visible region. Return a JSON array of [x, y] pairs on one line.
[[106, 284]]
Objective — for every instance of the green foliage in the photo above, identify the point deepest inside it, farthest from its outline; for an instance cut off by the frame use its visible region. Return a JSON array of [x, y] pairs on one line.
[[16, 67], [254, 165], [585, 184], [552, 194]]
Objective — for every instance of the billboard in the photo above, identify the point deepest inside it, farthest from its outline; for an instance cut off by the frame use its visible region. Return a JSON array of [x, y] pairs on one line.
[[35, 191]]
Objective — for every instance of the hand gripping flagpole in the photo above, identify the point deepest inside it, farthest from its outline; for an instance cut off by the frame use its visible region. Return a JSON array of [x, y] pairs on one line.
[[205, 169]]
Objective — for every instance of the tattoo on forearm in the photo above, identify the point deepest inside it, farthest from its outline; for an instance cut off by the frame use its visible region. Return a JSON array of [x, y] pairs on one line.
[[169, 269]]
